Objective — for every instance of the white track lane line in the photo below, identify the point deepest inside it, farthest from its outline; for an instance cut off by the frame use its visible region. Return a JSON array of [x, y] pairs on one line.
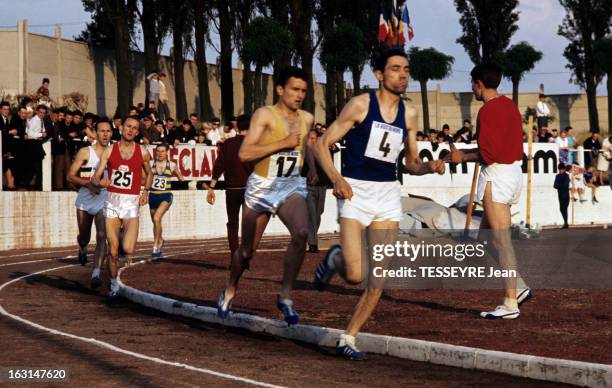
[[114, 348], [190, 245]]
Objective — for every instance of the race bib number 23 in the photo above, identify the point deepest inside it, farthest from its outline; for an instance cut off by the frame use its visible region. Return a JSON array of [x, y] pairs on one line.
[[385, 142]]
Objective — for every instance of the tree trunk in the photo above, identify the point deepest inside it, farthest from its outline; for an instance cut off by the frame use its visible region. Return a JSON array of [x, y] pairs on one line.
[[330, 96], [609, 84], [227, 83], [515, 90], [179, 65], [247, 86], [206, 111], [147, 22], [301, 21], [279, 10], [425, 102], [258, 90], [339, 92], [122, 58], [356, 80], [591, 91]]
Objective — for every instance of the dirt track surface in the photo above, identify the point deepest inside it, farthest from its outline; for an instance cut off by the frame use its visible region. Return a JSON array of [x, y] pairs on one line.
[[61, 300], [566, 323]]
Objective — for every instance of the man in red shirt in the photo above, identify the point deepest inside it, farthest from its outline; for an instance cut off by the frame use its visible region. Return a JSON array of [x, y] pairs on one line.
[[125, 161], [236, 174], [500, 151]]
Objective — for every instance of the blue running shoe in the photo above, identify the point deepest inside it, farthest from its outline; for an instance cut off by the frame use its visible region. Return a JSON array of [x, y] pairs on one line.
[[224, 311], [286, 307], [350, 352], [324, 273]]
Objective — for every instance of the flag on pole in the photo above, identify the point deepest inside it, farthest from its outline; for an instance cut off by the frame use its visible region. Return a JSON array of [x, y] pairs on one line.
[[390, 33], [382, 28], [406, 21], [396, 28], [400, 35]]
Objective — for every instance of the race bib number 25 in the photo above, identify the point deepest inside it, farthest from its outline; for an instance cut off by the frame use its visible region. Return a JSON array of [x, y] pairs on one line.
[[285, 164], [121, 179], [385, 142]]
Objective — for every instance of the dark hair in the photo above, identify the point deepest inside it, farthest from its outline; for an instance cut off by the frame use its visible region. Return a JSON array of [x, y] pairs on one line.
[[45, 80], [68, 112], [132, 108], [446, 126], [88, 115], [159, 122], [55, 110], [102, 120], [43, 107], [117, 116], [215, 119], [568, 128], [381, 61], [169, 119], [186, 121], [467, 121], [147, 118], [4, 103], [489, 73], [193, 114], [542, 95], [561, 166], [77, 113], [288, 72], [162, 74], [162, 145], [243, 122]]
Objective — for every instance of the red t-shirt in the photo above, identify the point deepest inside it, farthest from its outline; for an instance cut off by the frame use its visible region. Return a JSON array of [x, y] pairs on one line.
[[500, 132], [125, 175]]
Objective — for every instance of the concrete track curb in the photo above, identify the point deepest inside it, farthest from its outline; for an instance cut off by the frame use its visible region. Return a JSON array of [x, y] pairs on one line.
[[534, 367]]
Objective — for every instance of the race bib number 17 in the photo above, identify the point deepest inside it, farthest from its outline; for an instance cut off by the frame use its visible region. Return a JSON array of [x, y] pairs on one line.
[[385, 142], [285, 164]]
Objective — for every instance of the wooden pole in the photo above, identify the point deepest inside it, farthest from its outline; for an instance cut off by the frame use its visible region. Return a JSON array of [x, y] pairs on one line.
[[470, 208], [529, 170]]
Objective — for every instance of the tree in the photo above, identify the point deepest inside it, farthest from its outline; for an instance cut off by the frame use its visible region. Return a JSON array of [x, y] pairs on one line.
[[116, 28], [603, 58], [264, 40], [302, 12], [181, 20], [279, 10], [586, 23], [225, 36], [487, 27], [428, 64], [201, 30], [516, 61], [244, 11], [155, 24], [340, 56]]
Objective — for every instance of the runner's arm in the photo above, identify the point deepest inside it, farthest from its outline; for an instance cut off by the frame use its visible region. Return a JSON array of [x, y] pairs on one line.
[[148, 181], [353, 113], [97, 179], [413, 164], [73, 172], [251, 149]]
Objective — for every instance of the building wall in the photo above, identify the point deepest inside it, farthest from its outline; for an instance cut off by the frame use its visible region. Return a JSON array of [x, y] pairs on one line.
[[8, 65]]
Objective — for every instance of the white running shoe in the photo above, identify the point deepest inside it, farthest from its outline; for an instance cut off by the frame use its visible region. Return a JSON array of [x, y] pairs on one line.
[[500, 312], [523, 295]]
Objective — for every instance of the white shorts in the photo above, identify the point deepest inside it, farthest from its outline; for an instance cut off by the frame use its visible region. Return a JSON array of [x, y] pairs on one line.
[[266, 195], [372, 202], [506, 182], [122, 206], [90, 203]]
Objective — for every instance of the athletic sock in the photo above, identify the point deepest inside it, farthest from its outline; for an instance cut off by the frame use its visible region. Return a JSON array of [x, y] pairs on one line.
[[95, 273], [114, 285], [511, 304], [346, 339]]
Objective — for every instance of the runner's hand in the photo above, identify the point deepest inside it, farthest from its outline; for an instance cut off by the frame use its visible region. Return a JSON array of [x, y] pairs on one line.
[[313, 177], [455, 156], [293, 140], [92, 188], [437, 166], [144, 198], [210, 196], [342, 190]]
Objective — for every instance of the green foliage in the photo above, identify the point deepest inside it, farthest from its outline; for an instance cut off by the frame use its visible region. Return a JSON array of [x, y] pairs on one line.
[[603, 55], [265, 39], [100, 31], [337, 50], [429, 64], [518, 60], [488, 26], [586, 23]]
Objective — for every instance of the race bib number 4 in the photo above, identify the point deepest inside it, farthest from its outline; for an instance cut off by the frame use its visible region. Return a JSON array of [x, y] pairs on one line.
[[159, 183], [385, 142], [285, 164], [121, 179]]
